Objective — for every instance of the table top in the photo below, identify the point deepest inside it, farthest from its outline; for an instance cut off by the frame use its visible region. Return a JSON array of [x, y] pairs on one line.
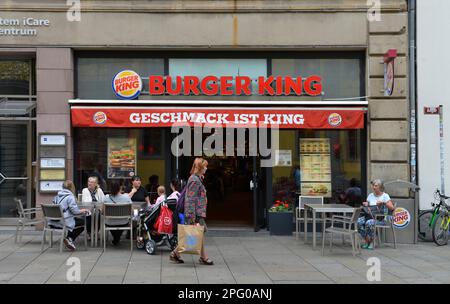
[[330, 207]]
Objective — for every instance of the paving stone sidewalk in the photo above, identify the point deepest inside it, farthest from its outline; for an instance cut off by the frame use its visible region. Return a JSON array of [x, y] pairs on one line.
[[239, 258]]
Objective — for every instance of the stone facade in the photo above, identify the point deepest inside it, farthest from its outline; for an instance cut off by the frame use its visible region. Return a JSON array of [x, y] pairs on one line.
[[231, 25]]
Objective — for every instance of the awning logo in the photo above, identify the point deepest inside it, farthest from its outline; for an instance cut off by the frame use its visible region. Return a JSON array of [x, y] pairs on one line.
[[99, 118], [127, 84], [334, 119]]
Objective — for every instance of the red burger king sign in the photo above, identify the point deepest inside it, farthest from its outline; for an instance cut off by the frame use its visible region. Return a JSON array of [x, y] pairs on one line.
[[127, 84]]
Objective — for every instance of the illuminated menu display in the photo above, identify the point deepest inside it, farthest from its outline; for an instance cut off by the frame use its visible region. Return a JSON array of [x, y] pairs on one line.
[[315, 165]]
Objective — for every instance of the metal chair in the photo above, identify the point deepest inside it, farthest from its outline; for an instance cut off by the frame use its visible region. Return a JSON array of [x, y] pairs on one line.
[[25, 218], [388, 224], [299, 216], [349, 227], [115, 212], [53, 212]]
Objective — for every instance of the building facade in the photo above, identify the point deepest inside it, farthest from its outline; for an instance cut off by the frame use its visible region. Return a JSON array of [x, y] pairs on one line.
[[58, 64]]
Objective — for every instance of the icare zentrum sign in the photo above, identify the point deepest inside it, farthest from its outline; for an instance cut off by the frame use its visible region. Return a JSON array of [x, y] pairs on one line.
[[128, 85]]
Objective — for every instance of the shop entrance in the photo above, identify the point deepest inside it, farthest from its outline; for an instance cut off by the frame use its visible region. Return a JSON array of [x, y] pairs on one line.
[[227, 182]]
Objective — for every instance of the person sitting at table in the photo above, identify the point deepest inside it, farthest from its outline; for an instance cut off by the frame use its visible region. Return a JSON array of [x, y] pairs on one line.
[[66, 199], [93, 193], [116, 197], [161, 194], [377, 203], [176, 188], [136, 192]]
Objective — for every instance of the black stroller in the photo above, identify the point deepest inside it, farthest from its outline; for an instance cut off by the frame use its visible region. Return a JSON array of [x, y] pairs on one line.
[[149, 238]]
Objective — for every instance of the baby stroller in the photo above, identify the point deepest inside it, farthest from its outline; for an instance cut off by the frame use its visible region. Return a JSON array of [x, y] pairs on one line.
[[147, 236]]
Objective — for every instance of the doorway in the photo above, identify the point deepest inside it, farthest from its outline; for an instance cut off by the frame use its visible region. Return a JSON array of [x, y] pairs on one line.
[[227, 182]]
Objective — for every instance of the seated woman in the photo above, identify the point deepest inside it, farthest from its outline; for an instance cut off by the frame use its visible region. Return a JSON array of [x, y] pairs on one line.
[[366, 223], [116, 197], [66, 199]]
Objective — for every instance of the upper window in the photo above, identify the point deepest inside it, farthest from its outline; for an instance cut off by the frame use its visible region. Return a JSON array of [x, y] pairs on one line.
[[203, 67], [94, 75], [16, 77], [341, 77]]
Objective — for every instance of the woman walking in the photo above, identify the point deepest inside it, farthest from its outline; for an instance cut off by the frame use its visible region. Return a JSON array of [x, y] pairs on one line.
[[195, 206]]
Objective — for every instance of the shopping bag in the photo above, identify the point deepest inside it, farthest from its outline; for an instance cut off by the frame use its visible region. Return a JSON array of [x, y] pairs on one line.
[[164, 222], [190, 238]]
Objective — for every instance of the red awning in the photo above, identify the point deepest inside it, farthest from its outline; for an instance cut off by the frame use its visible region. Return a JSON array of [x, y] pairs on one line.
[[284, 118]]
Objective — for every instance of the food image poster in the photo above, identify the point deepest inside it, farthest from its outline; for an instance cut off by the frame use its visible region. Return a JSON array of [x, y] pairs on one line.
[[316, 189], [121, 157]]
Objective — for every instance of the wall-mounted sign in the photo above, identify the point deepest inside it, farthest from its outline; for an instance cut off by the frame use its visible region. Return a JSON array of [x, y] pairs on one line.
[[53, 140], [402, 218], [431, 110], [53, 163], [121, 157], [389, 73], [50, 186], [283, 158], [53, 174], [127, 84], [27, 26]]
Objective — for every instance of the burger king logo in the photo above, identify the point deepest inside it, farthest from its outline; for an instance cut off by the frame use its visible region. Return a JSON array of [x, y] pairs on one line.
[[100, 118], [127, 84], [401, 217], [334, 119]]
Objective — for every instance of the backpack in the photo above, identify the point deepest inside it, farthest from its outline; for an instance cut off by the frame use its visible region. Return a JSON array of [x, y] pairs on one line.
[[180, 202]]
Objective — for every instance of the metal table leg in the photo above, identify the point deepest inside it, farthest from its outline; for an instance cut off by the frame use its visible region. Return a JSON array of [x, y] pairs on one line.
[[314, 229], [305, 230], [93, 228]]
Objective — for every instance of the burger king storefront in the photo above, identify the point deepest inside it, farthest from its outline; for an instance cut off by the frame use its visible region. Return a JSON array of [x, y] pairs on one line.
[[105, 93], [272, 126]]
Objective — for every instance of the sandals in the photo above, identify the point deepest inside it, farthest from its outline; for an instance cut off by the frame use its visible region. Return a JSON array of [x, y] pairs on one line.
[[207, 261], [174, 258]]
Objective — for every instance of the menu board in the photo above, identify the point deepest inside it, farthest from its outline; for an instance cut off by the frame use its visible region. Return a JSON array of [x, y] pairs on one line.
[[315, 165], [121, 157]]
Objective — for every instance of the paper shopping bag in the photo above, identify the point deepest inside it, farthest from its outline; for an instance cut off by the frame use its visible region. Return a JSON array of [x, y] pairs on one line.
[[190, 238]]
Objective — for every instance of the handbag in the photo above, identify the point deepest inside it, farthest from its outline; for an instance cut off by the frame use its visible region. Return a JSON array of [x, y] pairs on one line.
[[190, 238], [370, 212]]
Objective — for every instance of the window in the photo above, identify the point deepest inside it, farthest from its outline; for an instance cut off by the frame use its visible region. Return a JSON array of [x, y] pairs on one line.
[[341, 77], [94, 75], [16, 77]]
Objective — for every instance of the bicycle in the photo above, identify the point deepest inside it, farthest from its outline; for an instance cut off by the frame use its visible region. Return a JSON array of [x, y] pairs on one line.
[[441, 222], [427, 218]]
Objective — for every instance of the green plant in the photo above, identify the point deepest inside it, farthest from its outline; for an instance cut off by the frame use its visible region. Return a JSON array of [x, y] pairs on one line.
[[281, 206]]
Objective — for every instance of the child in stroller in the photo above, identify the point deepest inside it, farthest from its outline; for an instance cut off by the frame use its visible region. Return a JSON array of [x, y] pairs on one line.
[[149, 238]]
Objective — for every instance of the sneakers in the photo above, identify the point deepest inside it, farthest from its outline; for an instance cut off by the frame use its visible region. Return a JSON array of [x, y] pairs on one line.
[[367, 246], [69, 244]]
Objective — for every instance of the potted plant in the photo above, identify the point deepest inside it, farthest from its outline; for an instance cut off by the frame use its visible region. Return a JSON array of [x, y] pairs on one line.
[[281, 218]]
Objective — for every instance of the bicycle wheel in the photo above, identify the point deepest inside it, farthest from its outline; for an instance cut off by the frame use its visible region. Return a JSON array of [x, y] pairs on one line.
[[424, 232], [440, 229]]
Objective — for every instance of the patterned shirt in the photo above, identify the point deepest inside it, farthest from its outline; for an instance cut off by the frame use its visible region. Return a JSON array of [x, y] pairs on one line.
[[195, 201]]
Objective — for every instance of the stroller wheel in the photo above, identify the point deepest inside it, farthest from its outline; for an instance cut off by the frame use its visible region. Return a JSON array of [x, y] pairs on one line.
[[150, 246]]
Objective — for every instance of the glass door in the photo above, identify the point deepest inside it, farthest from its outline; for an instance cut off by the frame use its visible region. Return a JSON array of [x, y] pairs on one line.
[[15, 168]]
